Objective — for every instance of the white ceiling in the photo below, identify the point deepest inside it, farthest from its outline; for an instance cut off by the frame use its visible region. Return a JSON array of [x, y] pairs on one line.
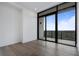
[[37, 6]]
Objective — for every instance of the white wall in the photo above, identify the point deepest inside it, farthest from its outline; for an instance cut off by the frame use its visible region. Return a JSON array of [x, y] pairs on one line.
[[16, 25], [29, 26], [10, 24]]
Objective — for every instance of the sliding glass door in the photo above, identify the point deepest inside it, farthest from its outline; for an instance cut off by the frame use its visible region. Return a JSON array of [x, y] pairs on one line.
[[50, 27], [60, 25], [47, 28], [66, 26]]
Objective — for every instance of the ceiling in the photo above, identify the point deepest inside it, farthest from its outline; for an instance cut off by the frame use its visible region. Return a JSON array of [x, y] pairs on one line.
[[37, 6]]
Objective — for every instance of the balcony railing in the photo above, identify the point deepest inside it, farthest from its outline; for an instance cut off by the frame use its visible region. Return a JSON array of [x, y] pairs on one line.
[[65, 35]]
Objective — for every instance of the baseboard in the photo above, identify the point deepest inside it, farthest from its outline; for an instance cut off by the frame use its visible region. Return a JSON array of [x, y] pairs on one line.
[[28, 41], [8, 43]]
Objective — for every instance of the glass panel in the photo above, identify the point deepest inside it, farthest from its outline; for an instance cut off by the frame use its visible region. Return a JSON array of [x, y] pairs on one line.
[[42, 28], [50, 27], [66, 26]]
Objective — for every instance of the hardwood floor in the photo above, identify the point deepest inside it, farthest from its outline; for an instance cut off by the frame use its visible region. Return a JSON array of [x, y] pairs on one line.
[[38, 48]]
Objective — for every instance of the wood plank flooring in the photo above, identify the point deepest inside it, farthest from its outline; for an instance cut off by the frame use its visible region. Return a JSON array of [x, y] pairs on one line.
[[38, 48]]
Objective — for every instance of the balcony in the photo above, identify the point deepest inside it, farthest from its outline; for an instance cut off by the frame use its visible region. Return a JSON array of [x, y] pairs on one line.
[[67, 37]]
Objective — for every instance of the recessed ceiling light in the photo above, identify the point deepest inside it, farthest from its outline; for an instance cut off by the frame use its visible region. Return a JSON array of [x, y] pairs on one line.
[[35, 9]]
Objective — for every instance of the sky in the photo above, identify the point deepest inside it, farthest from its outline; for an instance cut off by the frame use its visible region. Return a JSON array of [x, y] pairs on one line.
[[66, 20]]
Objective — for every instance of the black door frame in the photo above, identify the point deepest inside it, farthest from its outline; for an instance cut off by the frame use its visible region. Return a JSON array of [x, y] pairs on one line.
[[56, 24]]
